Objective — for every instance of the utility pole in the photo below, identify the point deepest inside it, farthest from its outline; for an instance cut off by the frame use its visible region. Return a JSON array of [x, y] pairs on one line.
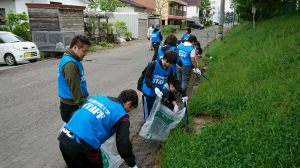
[[253, 12], [220, 29]]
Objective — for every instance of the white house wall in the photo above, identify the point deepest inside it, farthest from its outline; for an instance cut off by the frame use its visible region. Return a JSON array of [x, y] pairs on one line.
[[131, 20], [8, 5], [128, 9], [192, 11], [71, 2]]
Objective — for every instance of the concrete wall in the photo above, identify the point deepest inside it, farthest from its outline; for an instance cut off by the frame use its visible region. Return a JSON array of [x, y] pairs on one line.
[[192, 11]]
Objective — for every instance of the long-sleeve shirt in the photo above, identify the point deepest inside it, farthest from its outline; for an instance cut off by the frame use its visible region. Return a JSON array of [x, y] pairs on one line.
[[171, 78], [71, 74]]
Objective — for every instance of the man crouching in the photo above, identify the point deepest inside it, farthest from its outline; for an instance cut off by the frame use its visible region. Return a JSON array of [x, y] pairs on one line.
[[95, 122]]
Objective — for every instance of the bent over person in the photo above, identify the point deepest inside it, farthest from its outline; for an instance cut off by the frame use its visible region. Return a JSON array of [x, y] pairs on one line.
[[95, 122], [72, 87]]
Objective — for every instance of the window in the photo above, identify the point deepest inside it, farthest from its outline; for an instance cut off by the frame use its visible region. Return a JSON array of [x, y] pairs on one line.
[[2, 15], [55, 3]]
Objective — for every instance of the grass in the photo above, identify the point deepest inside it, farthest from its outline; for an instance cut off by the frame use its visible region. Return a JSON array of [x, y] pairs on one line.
[[255, 87]]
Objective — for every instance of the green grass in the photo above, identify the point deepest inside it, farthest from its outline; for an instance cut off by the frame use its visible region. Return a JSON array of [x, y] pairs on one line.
[[255, 87]]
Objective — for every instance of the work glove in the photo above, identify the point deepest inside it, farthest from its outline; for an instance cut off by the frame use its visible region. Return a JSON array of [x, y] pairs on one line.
[[134, 166], [197, 71], [158, 92], [176, 108], [185, 99]]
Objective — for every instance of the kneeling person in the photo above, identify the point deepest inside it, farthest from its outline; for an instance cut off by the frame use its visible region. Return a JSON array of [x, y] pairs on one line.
[[95, 122]]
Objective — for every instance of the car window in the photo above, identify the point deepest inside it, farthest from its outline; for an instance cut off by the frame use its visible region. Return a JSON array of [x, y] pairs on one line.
[[1, 41], [9, 38]]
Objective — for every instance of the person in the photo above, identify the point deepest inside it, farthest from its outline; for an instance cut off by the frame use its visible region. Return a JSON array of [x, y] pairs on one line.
[[72, 87], [168, 98], [156, 40], [198, 50], [186, 35], [149, 36], [95, 122], [157, 74], [188, 62], [170, 44]]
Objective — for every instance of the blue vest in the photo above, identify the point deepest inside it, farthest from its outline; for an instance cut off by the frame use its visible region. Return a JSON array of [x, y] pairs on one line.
[[159, 78], [63, 88], [94, 121], [185, 55], [160, 55], [156, 37], [186, 36]]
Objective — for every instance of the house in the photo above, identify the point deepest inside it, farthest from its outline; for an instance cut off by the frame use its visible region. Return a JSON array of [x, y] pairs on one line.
[[172, 12], [18, 6], [135, 17], [193, 9]]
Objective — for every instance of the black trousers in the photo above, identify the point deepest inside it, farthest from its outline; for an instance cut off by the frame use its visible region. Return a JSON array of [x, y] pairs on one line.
[[66, 111], [155, 48], [79, 155]]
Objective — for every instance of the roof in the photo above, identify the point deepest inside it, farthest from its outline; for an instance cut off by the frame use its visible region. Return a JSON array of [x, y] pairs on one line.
[[149, 4], [133, 3], [59, 6]]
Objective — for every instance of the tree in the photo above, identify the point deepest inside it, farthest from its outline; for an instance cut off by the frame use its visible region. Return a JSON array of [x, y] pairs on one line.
[[264, 8], [205, 10], [18, 24], [160, 6], [106, 5]]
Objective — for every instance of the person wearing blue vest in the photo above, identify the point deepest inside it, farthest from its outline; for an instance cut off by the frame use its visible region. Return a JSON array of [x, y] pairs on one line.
[[188, 60], [156, 39], [95, 122], [157, 74], [72, 87], [186, 35], [170, 44]]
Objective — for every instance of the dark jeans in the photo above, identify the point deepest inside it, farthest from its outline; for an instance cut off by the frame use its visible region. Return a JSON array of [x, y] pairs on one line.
[[147, 105], [66, 111], [79, 155], [155, 48]]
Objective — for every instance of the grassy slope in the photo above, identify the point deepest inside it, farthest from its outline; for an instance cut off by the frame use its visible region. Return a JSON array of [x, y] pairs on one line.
[[255, 87]]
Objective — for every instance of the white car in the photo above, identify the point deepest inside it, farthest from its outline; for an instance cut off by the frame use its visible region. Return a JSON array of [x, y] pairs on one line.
[[14, 49]]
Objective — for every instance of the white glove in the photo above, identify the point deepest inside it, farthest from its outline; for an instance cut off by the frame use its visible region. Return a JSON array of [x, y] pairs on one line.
[[176, 108], [134, 166], [197, 71], [184, 99], [158, 92]]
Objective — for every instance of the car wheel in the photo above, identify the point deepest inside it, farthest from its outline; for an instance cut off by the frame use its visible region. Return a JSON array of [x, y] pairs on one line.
[[32, 61], [10, 59]]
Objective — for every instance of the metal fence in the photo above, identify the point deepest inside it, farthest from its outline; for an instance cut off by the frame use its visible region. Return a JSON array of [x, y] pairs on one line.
[[54, 41]]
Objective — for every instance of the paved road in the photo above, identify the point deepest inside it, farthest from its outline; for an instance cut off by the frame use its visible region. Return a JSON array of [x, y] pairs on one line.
[[30, 119]]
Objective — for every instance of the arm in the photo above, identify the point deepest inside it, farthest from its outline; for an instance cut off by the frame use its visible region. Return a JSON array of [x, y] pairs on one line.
[[70, 72], [176, 84], [193, 58], [160, 36], [123, 143], [148, 75]]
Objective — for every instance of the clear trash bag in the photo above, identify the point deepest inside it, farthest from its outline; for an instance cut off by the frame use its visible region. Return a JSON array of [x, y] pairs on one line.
[[160, 121], [110, 155]]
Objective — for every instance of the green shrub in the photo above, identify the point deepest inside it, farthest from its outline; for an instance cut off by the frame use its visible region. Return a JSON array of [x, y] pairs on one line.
[[93, 49], [103, 43], [169, 29], [208, 23]]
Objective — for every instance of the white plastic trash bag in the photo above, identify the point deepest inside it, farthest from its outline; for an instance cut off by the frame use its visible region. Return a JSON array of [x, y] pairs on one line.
[[110, 154], [160, 121]]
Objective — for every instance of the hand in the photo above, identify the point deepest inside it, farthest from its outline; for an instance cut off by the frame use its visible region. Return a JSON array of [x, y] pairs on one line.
[[197, 71], [185, 99], [158, 92], [176, 108], [134, 166]]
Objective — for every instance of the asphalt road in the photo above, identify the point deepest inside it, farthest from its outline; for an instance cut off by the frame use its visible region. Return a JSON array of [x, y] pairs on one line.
[[29, 106]]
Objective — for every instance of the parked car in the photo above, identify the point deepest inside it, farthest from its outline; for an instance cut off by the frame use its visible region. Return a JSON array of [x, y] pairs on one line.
[[14, 50], [195, 24]]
